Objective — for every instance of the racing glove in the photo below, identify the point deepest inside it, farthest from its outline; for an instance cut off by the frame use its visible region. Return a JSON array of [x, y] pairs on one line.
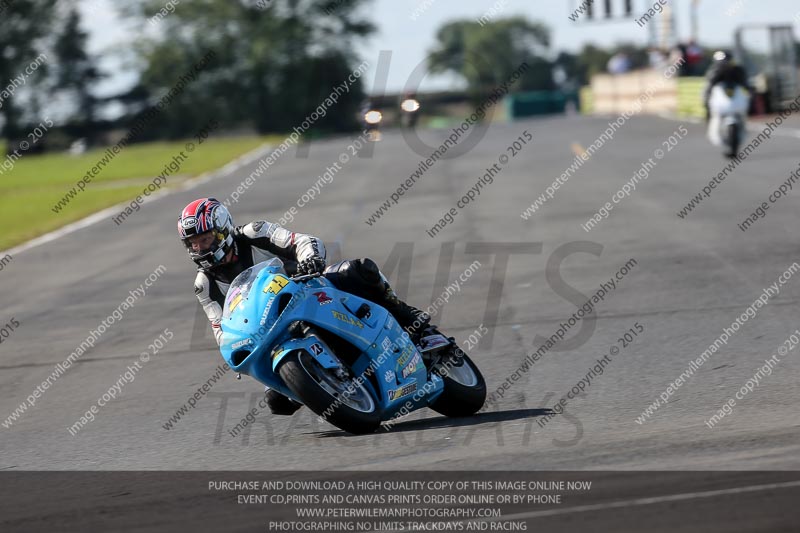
[[311, 265]]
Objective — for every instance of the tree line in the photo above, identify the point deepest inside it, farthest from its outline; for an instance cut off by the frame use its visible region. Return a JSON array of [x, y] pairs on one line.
[[273, 62]]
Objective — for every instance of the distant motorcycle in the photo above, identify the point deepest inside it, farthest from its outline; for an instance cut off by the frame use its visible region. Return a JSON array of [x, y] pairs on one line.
[[371, 123], [344, 357], [728, 106], [410, 112]]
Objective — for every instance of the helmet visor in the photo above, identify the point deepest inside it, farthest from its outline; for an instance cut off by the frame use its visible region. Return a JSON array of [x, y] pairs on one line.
[[202, 243]]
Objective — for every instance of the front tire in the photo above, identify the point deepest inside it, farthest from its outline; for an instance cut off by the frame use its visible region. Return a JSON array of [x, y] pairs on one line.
[[345, 404], [464, 389], [733, 140]]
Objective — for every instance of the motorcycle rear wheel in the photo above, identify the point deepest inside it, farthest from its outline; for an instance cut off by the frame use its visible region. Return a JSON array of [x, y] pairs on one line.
[[348, 405], [464, 390]]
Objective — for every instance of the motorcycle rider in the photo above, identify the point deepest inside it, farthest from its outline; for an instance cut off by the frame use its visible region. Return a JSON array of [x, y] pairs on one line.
[[724, 69], [222, 251]]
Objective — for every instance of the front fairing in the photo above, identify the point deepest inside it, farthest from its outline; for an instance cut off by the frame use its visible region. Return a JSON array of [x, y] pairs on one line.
[[249, 315], [726, 100]]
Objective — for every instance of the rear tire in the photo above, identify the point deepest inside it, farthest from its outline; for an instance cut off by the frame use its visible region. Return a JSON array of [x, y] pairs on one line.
[[328, 396], [464, 390]]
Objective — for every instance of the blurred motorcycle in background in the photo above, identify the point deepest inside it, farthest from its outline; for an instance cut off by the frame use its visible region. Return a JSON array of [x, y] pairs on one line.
[[409, 108], [728, 106]]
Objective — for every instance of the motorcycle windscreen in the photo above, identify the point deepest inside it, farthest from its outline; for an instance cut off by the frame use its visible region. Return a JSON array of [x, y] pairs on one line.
[[240, 288]]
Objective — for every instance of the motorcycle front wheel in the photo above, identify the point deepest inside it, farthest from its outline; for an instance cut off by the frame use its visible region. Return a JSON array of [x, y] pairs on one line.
[[345, 403], [733, 140]]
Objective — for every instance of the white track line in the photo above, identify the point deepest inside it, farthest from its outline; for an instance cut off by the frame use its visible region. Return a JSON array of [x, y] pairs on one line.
[[647, 501], [94, 218]]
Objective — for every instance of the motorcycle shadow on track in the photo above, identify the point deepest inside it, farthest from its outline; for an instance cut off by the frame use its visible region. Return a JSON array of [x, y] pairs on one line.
[[441, 422]]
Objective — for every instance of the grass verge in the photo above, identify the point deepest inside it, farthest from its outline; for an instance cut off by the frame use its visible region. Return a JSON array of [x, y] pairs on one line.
[[37, 182]]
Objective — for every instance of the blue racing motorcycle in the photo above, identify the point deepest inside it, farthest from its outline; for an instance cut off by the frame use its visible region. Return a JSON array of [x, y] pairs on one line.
[[344, 357]]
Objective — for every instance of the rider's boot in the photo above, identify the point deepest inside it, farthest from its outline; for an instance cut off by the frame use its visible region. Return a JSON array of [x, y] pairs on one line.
[[280, 404]]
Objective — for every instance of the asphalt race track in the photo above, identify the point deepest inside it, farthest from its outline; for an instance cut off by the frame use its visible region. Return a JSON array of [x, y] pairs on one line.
[[691, 278]]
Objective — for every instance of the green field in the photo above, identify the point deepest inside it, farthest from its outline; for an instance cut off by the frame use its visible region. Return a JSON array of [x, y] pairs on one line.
[[36, 183]]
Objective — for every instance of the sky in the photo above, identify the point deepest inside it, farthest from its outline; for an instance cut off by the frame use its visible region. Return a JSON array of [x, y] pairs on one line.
[[407, 28]]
